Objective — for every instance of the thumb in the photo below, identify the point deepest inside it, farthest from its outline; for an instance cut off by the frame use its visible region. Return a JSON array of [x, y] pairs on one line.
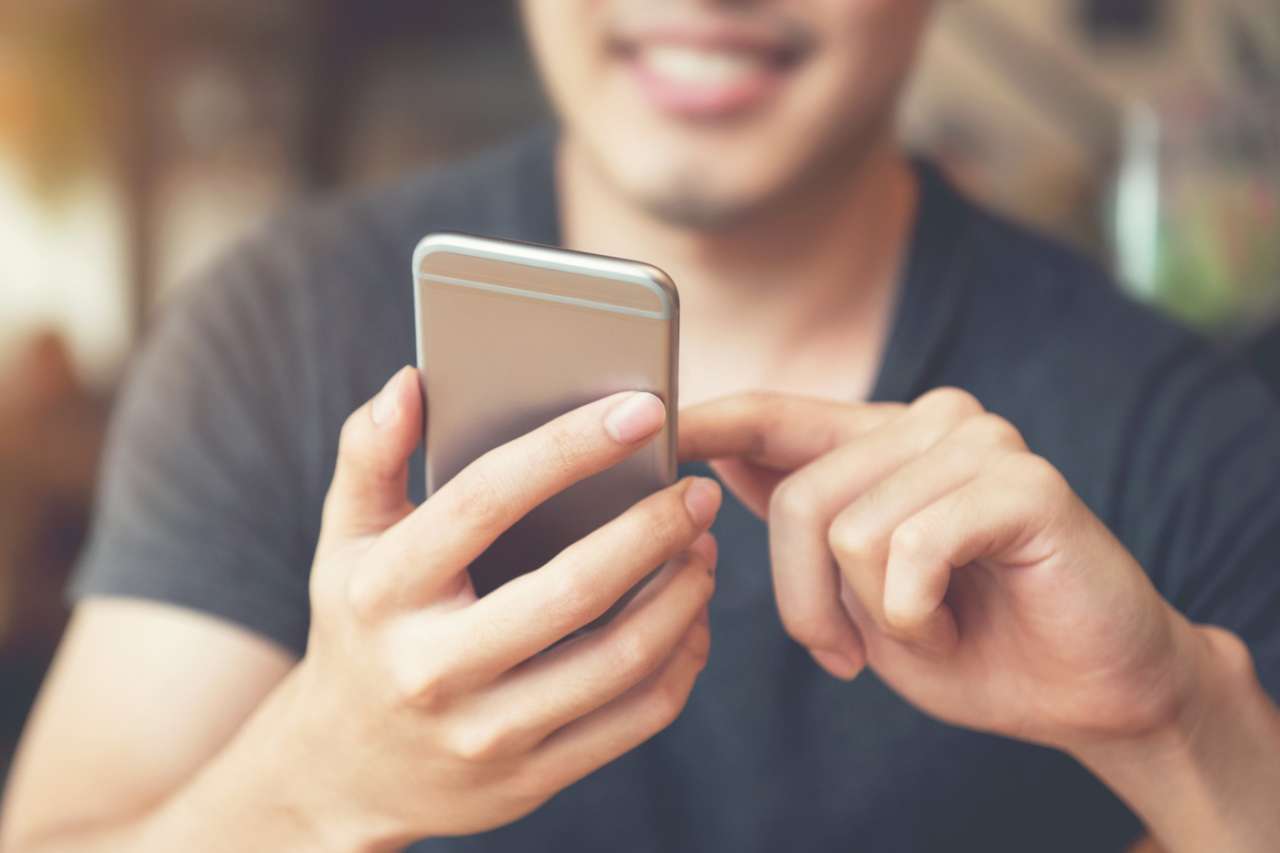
[[370, 480]]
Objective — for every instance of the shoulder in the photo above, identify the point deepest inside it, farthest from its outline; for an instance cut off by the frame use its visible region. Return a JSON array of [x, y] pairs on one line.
[[1071, 309], [1130, 404], [500, 191], [1043, 321], [365, 240], [328, 283], [307, 316]]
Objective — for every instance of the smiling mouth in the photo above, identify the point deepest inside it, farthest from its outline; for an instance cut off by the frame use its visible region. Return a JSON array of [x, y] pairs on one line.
[[708, 74]]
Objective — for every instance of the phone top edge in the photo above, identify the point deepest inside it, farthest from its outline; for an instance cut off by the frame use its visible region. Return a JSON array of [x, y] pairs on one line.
[[550, 258]]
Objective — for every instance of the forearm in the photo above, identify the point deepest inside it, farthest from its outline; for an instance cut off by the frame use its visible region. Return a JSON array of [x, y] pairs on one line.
[[1211, 779], [262, 791]]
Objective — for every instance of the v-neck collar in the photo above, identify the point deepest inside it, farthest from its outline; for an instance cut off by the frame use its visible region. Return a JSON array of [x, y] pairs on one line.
[[931, 294], [931, 291]]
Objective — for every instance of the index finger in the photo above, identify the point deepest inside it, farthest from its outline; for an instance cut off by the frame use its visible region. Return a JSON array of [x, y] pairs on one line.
[[778, 431], [439, 539]]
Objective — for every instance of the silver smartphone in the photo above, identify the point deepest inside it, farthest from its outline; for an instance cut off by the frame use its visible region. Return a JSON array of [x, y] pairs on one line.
[[511, 335]]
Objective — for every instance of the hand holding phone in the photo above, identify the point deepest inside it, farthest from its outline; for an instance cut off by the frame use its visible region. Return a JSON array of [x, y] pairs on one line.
[[421, 709]]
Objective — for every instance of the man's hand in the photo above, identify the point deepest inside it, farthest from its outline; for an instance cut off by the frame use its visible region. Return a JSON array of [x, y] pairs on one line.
[[928, 542], [417, 709], [424, 710]]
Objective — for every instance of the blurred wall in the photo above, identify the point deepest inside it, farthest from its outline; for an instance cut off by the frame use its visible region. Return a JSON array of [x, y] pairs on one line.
[[1145, 132], [136, 141]]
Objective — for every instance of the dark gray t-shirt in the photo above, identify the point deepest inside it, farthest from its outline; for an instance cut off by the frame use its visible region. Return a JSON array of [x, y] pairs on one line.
[[224, 441]]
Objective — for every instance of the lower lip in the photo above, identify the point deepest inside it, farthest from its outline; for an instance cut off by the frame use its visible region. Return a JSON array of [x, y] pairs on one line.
[[705, 100]]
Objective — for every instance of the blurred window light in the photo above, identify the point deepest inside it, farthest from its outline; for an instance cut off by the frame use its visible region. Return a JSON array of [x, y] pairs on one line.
[[62, 247], [1137, 203], [62, 267]]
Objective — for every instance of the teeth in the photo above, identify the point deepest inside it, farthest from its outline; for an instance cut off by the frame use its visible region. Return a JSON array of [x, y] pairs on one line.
[[700, 67]]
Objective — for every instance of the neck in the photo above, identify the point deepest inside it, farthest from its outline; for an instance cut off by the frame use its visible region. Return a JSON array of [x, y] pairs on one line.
[[810, 280]]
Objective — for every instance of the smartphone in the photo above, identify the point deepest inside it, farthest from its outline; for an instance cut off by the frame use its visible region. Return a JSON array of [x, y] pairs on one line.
[[511, 335]]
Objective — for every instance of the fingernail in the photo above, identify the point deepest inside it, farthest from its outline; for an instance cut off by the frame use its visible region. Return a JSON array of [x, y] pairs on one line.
[[387, 404], [839, 664], [638, 416], [702, 498]]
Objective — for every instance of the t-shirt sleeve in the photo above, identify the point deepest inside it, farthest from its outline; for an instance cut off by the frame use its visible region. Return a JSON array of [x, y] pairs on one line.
[[1204, 499], [201, 501]]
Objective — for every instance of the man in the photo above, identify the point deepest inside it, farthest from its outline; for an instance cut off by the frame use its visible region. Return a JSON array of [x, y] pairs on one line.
[[1048, 600]]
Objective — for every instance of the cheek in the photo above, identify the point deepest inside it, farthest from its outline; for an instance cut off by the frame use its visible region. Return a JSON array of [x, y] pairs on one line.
[[882, 31], [566, 43], [858, 12], [870, 46]]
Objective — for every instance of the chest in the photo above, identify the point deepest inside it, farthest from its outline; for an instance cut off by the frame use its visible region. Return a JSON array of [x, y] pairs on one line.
[[712, 365]]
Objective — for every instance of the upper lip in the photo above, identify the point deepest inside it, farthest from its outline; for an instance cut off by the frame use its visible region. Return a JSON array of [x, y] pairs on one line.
[[778, 43]]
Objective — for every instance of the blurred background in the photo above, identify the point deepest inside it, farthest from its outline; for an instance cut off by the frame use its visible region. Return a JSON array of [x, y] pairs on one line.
[[138, 139]]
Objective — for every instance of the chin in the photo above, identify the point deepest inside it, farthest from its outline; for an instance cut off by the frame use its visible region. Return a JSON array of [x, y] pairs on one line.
[[696, 201], [697, 211], [707, 185]]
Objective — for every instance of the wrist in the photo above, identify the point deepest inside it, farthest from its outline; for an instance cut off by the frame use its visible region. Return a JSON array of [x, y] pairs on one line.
[[277, 783], [308, 778], [1180, 774], [253, 794]]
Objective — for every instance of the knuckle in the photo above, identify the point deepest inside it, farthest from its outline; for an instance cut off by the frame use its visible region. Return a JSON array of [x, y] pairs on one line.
[[950, 402], [574, 598], [667, 701], [992, 430], [527, 786], [794, 499], [909, 540], [631, 655], [419, 684], [473, 496], [1040, 475], [478, 743], [848, 539], [698, 645], [665, 520], [363, 596], [1234, 652]]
